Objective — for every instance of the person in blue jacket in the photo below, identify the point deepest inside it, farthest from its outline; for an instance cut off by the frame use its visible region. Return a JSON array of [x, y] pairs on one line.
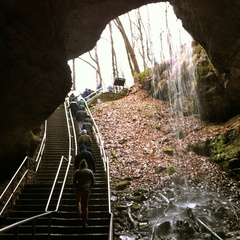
[[85, 154]]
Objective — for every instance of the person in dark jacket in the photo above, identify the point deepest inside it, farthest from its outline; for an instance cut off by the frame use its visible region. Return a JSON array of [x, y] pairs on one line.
[[84, 154], [74, 108], [85, 139], [81, 115], [88, 126], [83, 181]]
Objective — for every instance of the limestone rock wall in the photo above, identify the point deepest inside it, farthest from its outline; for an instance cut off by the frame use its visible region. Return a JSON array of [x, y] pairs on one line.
[[216, 26]]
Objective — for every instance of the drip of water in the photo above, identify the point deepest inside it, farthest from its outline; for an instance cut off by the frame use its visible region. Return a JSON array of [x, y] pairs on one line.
[[177, 54]]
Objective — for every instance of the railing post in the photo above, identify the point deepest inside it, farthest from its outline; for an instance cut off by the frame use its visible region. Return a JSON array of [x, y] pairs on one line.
[[49, 226], [34, 229], [17, 233], [28, 167], [12, 197]]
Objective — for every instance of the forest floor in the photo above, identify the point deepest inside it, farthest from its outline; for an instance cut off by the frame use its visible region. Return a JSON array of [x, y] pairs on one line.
[[143, 144]]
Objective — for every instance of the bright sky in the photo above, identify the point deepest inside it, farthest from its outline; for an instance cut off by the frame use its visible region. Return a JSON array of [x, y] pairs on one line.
[[161, 33]]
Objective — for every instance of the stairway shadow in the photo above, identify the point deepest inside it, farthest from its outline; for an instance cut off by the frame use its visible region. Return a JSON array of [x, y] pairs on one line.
[[65, 224]]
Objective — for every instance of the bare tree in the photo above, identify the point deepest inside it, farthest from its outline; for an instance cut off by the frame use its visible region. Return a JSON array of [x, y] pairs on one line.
[[114, 57], [95, 65], [140, 27], [129, 49]]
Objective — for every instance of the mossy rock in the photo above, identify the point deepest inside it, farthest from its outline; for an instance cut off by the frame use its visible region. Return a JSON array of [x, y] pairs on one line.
[[223, 150], [168, 151], [169, 194], [114, 154], [107, 97], [201, 148], [122, 141], [160, 169], [128, 178], [178, 180], [137, 199], [171, 170], [180, 134], [135, 208], [122, 185]]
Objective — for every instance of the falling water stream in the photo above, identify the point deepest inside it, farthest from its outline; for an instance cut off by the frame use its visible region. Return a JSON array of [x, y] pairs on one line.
[[181, 213]]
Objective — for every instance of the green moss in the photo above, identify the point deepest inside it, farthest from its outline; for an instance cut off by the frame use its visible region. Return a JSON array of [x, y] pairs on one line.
[[168, 151], [29, 143], [122, 141], [223, 150], [143, 75], [114, 154], [122, 185], [197, 179], [180, 134], [135, 208], [171, 170]]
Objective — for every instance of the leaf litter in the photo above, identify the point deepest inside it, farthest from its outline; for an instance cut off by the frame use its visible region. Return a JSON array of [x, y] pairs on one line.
[[137, 130]]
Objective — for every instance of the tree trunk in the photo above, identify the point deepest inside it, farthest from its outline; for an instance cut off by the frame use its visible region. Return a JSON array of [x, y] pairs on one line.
[[114, 57], [73, 75], [129, 48]]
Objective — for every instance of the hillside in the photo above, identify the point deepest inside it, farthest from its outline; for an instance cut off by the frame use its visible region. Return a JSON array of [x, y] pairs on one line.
[[147, 149]]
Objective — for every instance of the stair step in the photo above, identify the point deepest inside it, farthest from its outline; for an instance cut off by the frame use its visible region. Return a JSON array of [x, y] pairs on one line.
[[81, 235], [63, 221], [65, 224]]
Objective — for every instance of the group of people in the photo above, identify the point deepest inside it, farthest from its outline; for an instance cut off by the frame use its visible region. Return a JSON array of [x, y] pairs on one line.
[[80, 115], [84, 161]]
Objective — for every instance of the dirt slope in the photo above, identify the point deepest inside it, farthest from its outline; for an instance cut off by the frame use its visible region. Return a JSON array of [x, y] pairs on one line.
[[146, 146]]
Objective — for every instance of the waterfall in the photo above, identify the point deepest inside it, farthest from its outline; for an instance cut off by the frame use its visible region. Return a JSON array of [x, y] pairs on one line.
[[173, 80], [175, 72]]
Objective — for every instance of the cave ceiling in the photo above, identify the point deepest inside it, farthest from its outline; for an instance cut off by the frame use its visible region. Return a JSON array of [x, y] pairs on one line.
[[39, 37]]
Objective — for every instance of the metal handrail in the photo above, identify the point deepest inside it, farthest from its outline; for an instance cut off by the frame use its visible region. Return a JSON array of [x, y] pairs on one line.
[[69, 132], [73, 127], [60, 164], [64, 182], [99, 139], [11, 181], [60, 194], [42, 147], [37, 160], [106, 168], [12, 194], [93, 95], [9, 227], [55, 181], [106, 165]]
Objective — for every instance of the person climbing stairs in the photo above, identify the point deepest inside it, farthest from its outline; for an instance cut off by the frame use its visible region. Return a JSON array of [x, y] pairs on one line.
[[63, 224]]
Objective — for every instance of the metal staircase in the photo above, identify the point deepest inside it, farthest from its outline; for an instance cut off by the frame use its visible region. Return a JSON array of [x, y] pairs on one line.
[[64, 223]]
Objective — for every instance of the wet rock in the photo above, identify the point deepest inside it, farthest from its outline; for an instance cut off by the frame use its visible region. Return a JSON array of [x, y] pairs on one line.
[[163, 229], [160, 169], [121, 207]]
